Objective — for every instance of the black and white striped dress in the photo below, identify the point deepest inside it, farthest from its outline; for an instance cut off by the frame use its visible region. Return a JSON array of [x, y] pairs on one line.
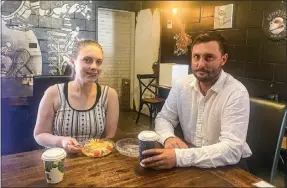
[[80, 124]]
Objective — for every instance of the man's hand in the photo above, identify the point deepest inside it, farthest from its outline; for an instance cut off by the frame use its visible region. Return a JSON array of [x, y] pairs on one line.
[[160, 159], [174, 142]]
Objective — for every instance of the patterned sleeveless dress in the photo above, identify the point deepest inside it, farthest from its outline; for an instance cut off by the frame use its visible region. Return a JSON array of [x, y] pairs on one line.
[[80, 124]]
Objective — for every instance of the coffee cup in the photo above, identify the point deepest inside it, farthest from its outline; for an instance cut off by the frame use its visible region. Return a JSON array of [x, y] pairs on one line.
[[53, 160], [147, 140]]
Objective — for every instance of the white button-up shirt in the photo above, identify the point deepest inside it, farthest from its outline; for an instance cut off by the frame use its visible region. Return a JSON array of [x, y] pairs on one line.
[[216, 123]]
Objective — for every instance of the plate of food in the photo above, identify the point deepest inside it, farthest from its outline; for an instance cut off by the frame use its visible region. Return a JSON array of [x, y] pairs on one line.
[[97, 147]]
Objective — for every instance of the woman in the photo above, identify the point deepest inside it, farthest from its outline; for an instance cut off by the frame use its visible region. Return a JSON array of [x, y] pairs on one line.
[[80, 109]]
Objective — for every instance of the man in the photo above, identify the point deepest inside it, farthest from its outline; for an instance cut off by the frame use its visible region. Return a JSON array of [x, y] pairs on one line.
[[212, 108]]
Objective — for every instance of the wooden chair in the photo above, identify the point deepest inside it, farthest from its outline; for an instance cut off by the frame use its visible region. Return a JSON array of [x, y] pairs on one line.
[[152, 102], [266, 129]]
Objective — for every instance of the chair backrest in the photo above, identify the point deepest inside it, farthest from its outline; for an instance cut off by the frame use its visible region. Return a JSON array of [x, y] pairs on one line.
[[267, 124], [146, 86], [40, 84]]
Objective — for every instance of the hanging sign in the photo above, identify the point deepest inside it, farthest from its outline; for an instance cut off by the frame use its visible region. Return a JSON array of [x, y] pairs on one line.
[[274, 24]]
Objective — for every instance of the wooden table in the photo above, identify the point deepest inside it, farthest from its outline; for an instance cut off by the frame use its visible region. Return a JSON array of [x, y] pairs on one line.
[[116, 170]]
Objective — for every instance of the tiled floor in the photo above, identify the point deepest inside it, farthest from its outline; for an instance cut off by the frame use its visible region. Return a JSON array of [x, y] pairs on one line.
[[128, 128]]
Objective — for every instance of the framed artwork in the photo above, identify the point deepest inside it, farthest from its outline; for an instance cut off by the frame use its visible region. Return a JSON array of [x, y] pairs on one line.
[[274, 23], [223, 16]]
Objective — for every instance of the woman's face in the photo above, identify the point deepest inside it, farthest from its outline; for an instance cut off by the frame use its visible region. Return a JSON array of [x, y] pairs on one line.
[[88, 64]]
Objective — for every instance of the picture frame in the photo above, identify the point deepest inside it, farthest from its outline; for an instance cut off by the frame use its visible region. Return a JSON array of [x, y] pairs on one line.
[[223, 16]]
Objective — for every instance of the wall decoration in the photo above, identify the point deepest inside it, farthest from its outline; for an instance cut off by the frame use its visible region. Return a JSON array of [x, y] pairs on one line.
[[20, 59], [5, 59], [223, 16], [60, 44], [17, 59], [274, 23], [6, 48], [59, 41], [183, 40]]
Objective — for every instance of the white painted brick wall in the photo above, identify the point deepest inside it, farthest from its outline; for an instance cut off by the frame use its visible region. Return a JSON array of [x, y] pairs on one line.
[[116, 35]]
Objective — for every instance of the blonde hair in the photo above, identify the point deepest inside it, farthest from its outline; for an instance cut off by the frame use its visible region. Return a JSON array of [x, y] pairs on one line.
[[77, 48], [82, 43]]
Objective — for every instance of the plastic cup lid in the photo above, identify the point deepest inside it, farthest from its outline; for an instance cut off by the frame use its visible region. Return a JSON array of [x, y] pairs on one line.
[[148, 136], [54, 154]]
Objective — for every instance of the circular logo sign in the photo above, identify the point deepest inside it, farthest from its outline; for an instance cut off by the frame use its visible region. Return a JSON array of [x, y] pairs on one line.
[[274, 24]]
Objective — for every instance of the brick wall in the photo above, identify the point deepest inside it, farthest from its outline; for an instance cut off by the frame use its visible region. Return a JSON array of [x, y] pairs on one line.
[[259, 63]]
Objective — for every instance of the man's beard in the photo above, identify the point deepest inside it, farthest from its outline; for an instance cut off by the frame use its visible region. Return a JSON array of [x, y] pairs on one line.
[[210, 74]]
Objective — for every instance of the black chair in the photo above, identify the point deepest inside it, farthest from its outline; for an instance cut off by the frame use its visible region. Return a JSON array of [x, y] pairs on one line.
[[152, 102], [40, 85], [267, 124]]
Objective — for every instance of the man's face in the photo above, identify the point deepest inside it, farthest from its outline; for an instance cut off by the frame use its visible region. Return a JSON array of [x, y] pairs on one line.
[[207, 61]]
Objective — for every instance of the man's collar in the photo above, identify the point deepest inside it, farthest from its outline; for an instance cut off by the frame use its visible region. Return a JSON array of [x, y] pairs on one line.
[[216, 87], [219, 83]]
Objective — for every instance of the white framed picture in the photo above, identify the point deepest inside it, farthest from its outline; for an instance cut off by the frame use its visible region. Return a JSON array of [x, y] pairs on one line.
[[223, 16]]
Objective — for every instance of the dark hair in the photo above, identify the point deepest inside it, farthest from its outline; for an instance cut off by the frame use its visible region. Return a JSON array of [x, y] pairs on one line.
[[80, 44], [211, 36]]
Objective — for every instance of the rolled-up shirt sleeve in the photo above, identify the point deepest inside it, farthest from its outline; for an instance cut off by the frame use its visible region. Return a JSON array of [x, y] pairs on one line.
[[167, 118], [228, 151]]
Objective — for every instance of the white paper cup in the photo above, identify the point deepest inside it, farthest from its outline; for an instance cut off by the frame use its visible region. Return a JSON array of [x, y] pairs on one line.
[[53, 160]]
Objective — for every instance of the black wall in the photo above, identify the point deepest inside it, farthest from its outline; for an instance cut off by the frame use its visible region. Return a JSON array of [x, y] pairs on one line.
[[259, 63]]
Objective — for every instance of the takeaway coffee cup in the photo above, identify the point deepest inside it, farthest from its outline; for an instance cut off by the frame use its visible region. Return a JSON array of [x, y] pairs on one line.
[[147, 140], [54, 164]]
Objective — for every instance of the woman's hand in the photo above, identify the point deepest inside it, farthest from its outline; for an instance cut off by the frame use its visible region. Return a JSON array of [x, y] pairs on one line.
[[71, 145]]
